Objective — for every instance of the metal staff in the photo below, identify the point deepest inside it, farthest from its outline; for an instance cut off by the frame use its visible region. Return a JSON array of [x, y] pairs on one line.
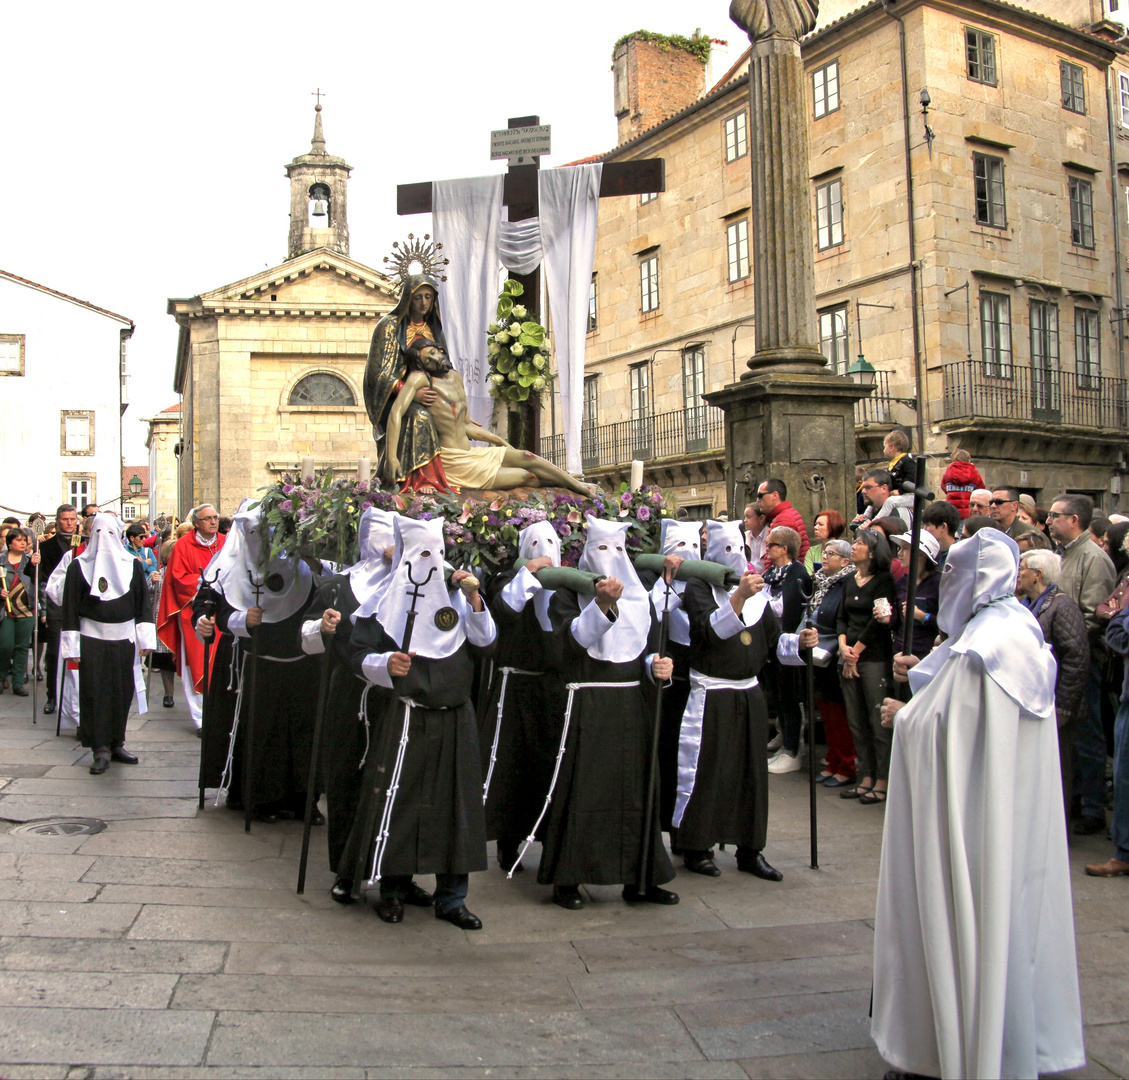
[[249, 745], [386, 737], [205, 710], [809, 708], [319, 722], [920, 496], [653, 765], [35, 637]]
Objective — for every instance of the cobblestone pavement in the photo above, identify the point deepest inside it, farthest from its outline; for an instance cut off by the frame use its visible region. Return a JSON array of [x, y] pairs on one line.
[[172, 944]]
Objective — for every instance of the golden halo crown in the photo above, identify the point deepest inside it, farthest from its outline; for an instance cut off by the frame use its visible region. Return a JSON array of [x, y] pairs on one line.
[[415, 257]]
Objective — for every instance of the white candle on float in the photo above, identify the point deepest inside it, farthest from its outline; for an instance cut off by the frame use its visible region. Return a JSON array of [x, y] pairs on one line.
[[307, 468], [636, 475], [364, 468]]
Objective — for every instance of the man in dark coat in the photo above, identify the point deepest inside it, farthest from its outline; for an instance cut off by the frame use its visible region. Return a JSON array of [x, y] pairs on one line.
[[51, 552], [421, 802]]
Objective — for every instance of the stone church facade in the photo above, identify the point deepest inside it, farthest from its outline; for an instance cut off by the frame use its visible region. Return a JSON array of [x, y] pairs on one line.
[[270, 368]]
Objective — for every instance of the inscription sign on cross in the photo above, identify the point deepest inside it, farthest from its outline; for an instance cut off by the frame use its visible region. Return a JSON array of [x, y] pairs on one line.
[[519, 193]]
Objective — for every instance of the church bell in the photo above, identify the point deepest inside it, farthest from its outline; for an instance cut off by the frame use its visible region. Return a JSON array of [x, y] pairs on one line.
[[320, 208]]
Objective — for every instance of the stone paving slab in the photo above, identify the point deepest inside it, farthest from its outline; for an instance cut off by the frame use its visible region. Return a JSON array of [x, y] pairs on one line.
[[190, 770], [66, 920], [80, 990], [135, 787], [44, 866], [260, 873], [86, 954], [52, 891], [240, 847], [830, 1065], [104, 1036], [107, 808], [517, 1038]]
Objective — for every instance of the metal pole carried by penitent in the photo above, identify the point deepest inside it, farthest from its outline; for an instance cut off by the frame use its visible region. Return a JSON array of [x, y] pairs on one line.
[[920, 496], [252, 709], [319, 723], [205, 707], [35, 637]]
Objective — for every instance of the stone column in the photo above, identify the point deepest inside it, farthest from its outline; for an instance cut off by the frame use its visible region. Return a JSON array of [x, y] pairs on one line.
[[783, 261]]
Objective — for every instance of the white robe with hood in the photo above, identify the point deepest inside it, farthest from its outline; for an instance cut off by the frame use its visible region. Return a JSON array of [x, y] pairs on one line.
[[975, 972]]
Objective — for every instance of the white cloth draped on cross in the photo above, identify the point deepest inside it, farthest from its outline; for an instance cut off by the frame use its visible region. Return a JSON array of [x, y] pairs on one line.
[[469, 222]]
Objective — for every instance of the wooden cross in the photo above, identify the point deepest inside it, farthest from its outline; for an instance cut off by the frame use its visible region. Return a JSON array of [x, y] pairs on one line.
[[519, 193]]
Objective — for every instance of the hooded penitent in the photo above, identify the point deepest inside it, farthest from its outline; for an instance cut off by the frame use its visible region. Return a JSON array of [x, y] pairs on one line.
[[538, 541], [376, 531], [283, 585], [105, 564], [976, 601], [605, 552], [676, 538], [725, 545]]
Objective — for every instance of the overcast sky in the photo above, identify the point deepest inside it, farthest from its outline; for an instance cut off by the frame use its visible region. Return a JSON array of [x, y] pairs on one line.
[[145, 144]]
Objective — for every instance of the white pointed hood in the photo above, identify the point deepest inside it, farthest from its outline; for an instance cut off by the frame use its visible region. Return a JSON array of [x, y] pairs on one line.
[[605, 552], [725, 545], [284, 585], [440, 626], [676, 538], [370, 573], [105, 563], [538, 540]]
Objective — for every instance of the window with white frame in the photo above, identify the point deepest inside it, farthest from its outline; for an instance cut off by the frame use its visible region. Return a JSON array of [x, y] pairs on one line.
[[591, 401], [825, 88], [649, 283], [995, 334], [736, 136], [1081, 212], [980, 50], [829, 214], [77, 432], [640, 392], [988, 183], [693, 392], [593, 323], [129, 512], [1073, 87], [1087, 348], [1123, 96], [80, 490], [1044, 355], [737, 245], [648, 197], [834, 339], [11, 354]]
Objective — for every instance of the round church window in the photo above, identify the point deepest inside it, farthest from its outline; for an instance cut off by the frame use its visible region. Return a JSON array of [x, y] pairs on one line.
[[322, 388]]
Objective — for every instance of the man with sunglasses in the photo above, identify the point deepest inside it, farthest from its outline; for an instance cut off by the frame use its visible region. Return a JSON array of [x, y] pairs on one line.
[[1003, 507]]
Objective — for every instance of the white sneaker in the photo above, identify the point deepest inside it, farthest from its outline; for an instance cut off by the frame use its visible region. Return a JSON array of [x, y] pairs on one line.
[[775, 743], [784, 763]]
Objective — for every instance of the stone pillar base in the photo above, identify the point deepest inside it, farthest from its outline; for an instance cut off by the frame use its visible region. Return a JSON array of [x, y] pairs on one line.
[[796, 359], [797, 426]]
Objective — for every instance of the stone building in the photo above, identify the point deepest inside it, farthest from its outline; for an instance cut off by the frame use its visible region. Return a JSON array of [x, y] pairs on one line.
[[968, 257], [270, 367], [135, 504], [163, 444], [64, 388]]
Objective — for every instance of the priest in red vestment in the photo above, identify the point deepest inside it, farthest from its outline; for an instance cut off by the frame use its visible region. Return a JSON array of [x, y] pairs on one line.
[[193, 551]]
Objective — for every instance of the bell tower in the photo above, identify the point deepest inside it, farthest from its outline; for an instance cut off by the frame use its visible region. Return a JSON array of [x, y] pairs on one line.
[[318, 188]]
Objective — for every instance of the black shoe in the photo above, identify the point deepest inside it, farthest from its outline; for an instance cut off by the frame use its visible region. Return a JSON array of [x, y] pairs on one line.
[[418, 897], [342, 891], [101, 764], [167, 701], [460, 917], [507, 856], [120, 753], [568, 897], [758, 866], [390, 909], [199, 733], [653, 895], [267, 817], [39, 676], [20, 691], [701, 862], [48, 706], [1087, 825]]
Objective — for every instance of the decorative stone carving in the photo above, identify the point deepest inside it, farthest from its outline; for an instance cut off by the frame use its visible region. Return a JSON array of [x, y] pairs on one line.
[[790, 19]]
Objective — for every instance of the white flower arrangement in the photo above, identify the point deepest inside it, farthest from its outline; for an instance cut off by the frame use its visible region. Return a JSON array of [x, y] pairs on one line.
[[518, 351]]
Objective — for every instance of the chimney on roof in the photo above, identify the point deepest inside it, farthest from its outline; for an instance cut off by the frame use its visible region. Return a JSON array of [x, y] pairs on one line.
[[655, 77]]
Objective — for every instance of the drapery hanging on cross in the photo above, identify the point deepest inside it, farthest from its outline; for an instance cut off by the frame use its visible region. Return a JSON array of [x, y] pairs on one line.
[[468, 222]]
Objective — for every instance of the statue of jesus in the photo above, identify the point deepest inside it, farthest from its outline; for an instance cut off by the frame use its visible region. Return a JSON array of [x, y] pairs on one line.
[[497, 466]]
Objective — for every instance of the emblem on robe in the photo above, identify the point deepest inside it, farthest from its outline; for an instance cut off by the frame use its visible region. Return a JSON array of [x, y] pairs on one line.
[[275, 583], [103, 584], [446, 619], [746, 638]]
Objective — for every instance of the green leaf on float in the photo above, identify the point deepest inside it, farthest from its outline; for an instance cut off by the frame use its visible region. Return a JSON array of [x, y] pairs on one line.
[[521, 393], [533, 341], [505, 306], [505, 364], [512, 288], [525, 381], [526, 368]]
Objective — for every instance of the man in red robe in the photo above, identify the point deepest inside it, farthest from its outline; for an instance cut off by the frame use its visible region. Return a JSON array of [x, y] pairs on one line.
[[193, 551]]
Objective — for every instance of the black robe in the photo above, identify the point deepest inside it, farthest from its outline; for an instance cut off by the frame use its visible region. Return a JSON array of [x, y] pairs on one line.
[[437, 824], [223, 687], [529, 731], [729, 803], [284, 722], [343, 738], [106, 671], [594, 829]]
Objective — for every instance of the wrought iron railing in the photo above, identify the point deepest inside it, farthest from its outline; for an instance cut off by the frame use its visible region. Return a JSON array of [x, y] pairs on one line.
[[973, 389], [875, 407], [672, 434]]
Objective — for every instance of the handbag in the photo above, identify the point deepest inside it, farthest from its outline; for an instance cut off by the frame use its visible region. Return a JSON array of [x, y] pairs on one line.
[[1114, 603]]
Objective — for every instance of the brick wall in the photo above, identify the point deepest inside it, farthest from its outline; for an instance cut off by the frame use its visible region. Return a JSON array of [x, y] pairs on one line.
[[652, 83]]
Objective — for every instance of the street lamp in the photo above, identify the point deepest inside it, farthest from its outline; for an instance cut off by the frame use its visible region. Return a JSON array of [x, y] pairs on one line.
[[135, 485], [862, 371]]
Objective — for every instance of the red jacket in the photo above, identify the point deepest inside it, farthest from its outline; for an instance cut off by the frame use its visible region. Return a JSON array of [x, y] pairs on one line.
[[960, 480], [786, 514]]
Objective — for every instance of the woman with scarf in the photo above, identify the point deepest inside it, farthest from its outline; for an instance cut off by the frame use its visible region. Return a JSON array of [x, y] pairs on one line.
[[107, 621], [975, 973], [328, 620], [17, 615], [609, 657]]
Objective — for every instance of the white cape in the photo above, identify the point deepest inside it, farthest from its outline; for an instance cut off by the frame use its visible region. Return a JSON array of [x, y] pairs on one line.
[[975, 973]]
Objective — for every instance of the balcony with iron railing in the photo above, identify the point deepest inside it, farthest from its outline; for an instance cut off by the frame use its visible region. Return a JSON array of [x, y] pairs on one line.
[[975, 390]]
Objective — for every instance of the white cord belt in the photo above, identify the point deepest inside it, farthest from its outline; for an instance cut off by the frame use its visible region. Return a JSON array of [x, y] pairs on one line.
[[506, 673], [572, 687], [383, 830]]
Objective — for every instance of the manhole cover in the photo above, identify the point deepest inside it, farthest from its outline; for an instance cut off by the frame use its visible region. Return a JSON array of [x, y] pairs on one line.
[[63, 826]]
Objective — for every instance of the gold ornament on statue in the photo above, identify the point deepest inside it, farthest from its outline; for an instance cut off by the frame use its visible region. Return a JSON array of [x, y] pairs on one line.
[[415, 257]]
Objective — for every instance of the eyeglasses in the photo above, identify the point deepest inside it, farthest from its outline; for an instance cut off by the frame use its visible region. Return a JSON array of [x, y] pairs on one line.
[[1054, 515], [214, 517], [775, 544], [999, 502]]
